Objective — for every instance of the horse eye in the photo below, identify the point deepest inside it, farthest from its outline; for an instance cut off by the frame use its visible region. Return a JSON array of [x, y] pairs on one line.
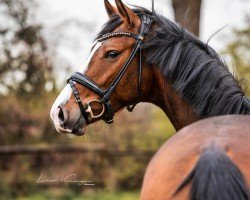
[[112, 54]]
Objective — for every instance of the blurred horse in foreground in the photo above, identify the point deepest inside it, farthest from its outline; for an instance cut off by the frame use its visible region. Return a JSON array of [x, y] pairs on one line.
[[207, 160]]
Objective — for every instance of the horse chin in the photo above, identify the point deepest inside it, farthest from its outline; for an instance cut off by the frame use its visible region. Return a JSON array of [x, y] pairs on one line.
[[79, 132], [77, 127]]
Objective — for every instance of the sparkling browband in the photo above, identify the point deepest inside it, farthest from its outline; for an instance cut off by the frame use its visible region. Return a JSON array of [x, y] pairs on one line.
[[118, 34]]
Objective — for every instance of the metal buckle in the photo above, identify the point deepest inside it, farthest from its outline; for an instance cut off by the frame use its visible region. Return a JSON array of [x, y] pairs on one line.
[[78, 99], [140, 37], [110, 121], [89, 109]]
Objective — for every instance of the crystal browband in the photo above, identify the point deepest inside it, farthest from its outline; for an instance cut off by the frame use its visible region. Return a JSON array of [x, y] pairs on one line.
[[118, 34]]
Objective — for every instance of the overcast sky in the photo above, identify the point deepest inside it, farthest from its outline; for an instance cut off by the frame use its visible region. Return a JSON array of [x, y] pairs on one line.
[[74, 40]]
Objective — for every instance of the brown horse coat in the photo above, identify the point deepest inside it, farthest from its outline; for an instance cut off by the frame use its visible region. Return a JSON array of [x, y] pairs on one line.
[[178, 156]]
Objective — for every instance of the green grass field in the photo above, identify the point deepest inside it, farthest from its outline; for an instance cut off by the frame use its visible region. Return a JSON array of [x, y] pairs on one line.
[[101, 195]]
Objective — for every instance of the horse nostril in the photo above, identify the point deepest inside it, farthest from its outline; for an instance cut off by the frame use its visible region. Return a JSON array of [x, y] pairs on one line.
[[61, 116]]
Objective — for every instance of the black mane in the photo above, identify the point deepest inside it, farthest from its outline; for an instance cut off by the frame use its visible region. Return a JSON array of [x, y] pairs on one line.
[[192, 67]]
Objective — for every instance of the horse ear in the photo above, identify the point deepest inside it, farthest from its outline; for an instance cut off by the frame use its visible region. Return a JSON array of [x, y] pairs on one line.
[[128, 15], [111, 10]]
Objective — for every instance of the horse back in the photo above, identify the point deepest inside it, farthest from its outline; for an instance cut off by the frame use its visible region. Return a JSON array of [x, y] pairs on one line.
[[167, 173]]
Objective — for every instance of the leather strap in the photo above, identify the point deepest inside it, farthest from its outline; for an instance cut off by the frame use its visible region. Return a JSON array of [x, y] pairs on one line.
[[108, 118], [130, 108], [119, 34], [87, 82], [78, 100]]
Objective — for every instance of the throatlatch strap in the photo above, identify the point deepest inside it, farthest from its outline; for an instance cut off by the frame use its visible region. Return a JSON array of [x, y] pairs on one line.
[[130, 108]]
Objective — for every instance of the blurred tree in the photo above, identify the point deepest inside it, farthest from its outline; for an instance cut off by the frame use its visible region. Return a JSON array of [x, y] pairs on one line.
[[26, 78], [239, 52], [25, 67], [187, 14]]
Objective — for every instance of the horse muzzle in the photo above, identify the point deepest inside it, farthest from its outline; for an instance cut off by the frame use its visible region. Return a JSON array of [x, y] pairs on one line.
[[68, 122], [72, 121]]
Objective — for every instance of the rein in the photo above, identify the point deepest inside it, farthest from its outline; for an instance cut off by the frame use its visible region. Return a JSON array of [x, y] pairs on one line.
[[107, 112]]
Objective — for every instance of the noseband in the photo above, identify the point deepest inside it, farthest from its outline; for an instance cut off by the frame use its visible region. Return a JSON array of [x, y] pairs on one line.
[[107, 113]]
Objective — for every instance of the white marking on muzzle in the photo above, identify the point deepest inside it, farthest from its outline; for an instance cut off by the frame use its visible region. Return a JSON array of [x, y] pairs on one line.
[[66, 93]]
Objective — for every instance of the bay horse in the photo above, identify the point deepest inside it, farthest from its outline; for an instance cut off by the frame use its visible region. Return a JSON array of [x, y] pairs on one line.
[[140, 56]]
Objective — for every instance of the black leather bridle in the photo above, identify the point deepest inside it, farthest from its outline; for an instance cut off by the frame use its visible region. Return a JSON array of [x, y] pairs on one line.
[[107, 113]]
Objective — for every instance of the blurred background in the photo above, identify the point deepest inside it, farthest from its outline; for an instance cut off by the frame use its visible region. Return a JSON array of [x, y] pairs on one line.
[[41, 44]]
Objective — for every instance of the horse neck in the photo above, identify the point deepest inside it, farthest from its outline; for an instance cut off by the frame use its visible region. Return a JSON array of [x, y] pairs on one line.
[[162, 94], [179, 111], [189, 81]]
